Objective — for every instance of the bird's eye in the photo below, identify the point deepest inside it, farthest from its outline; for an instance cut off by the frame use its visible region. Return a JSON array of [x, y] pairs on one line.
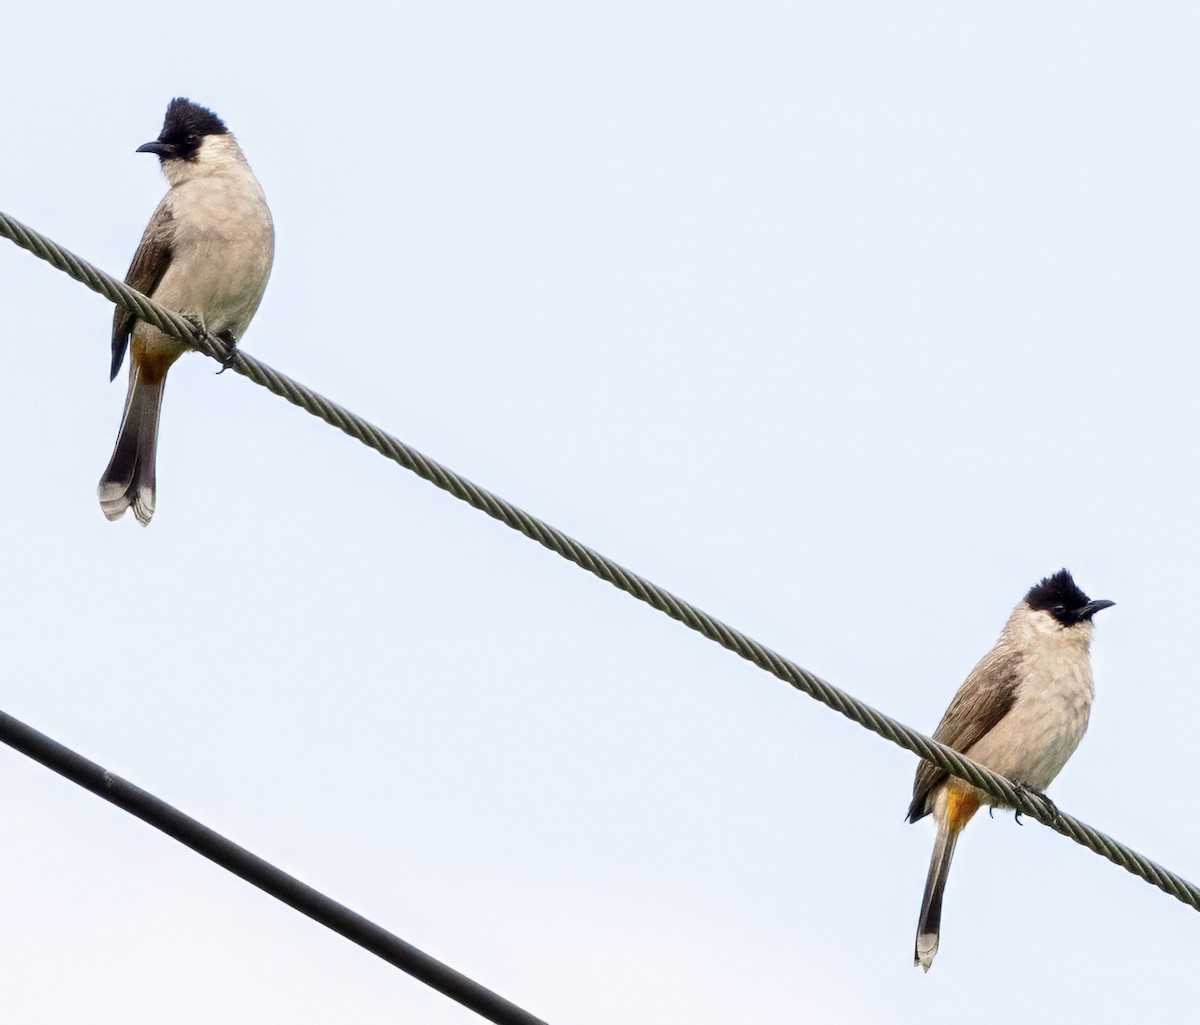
[[1058, 610]]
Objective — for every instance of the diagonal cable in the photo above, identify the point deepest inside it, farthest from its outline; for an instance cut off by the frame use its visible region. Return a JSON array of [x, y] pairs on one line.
[[957, 764], [260, 873]]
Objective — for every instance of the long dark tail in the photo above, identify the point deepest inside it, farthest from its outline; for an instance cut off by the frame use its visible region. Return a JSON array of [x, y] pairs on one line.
[[929, 924], [129, 479]]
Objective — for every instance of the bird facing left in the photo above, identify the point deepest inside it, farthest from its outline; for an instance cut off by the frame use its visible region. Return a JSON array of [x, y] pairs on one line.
[[206, 254]]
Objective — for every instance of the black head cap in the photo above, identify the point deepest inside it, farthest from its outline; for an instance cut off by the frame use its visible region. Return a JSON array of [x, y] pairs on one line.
[[1061, 597], [184, 129]]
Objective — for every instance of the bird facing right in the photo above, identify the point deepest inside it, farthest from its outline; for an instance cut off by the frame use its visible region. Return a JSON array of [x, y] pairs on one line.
[[1021, 712]]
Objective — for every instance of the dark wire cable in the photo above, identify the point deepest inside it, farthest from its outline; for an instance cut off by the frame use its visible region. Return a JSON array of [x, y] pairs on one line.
[[261, 873]]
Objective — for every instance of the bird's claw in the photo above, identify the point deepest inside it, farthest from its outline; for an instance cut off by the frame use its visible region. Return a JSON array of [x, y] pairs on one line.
[[1054, 815], [197, 322], [231, 355]]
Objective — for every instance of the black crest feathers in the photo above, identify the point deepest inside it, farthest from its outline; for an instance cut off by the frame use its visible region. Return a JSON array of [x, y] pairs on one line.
[[1056, 590], [186, 125], [1061, 597]]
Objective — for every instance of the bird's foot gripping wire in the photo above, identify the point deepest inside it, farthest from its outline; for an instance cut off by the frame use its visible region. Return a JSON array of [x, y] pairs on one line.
[[226, 337], [1037, 793], [231, 356], [196, 321]]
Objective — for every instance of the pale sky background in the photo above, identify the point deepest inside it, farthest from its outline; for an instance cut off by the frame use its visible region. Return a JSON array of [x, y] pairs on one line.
[[847, 322]]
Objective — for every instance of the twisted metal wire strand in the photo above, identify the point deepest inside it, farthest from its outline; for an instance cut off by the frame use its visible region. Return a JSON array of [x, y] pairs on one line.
[[1000, 788]]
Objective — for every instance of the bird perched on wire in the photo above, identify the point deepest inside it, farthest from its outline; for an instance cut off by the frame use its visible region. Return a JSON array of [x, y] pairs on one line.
[[1021, 712], [205, 254]]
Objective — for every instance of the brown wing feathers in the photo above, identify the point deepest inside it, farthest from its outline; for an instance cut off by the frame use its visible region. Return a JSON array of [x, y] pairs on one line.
[[150, 263], [975, 710]]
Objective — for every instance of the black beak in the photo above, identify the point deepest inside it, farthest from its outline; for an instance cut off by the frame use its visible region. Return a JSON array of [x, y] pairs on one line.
[[162, 149], [1092, 607]]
